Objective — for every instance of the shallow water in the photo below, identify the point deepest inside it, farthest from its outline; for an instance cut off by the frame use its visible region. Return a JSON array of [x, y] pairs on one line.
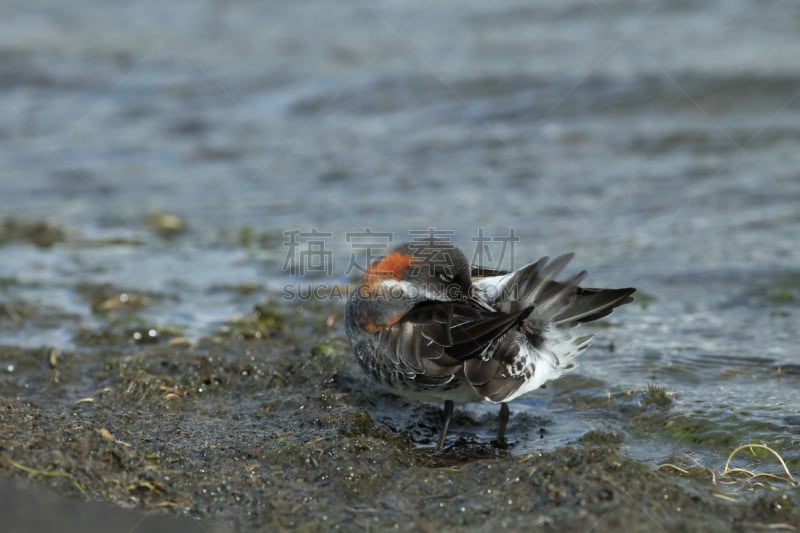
[[659, 140]]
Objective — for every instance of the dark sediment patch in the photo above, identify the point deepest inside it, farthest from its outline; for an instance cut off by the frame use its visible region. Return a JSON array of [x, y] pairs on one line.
[[269, 423]]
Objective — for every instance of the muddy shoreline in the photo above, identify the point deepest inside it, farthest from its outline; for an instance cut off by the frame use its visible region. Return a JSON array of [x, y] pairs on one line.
[[268, 424]]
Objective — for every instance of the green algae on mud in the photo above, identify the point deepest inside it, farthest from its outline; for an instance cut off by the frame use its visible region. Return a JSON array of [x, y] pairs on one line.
[[268, 423]]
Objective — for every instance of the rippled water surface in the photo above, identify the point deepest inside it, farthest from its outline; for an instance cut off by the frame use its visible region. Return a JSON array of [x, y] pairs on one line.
[[658, 140]]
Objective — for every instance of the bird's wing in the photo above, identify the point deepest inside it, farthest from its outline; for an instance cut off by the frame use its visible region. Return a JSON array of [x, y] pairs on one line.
[[466, 329], [434, 338]]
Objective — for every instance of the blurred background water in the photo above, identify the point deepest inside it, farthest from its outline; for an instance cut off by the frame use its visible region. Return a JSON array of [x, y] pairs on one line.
[[660, 140]]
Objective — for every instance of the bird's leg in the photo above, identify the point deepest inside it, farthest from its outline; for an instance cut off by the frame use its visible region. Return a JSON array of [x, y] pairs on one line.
[[447, 412], [501, 431]]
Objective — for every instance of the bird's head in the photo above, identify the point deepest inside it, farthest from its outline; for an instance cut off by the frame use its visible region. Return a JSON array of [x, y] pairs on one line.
[[421, 270]]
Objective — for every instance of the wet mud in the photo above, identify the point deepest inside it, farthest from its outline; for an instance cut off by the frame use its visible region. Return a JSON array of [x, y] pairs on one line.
[[267, 423]]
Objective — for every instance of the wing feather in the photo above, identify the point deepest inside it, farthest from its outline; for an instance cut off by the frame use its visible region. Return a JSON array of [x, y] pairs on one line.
[[435, 338]]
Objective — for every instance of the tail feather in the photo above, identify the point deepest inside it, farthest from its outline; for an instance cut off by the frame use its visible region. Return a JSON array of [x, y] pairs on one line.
[[529, 283], [592, 304], [562, 302], [549, 272], [557, 296], [542, 347]]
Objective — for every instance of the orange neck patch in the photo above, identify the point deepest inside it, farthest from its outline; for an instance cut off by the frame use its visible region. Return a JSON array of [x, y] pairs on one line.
[[393, 266]]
